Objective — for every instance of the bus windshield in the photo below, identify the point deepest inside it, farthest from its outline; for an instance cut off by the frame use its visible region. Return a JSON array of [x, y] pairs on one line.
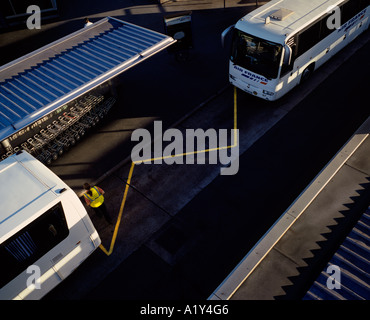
[[32, 242], [256, 55]]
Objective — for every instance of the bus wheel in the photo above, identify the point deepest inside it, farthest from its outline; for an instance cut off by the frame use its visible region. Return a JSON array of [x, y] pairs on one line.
[[307, 73]]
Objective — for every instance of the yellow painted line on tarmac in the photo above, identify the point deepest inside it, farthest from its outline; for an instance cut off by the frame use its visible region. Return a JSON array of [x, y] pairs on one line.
[[185, 154], [119, 219], [108, 253], [235, 117]]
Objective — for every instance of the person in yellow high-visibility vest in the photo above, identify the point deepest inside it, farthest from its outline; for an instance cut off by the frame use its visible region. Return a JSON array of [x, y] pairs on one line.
[[95, 199]]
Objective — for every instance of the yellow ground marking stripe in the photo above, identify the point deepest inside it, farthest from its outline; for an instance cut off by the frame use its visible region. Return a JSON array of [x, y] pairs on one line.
[[114, 237], [119, 214], [235, 118], [184, 154]]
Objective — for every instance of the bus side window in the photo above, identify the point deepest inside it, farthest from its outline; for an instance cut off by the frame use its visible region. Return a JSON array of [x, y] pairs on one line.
[[308, 38], [32, 242], [363, 4], [326, 29], [53, 231], [349, 10]]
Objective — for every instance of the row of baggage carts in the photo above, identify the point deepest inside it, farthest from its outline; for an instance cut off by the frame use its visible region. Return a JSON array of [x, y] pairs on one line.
[[64, 132]]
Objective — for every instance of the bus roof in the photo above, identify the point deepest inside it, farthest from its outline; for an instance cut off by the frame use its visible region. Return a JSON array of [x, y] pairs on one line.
[[26, 188], [52, 76], [286, 18]]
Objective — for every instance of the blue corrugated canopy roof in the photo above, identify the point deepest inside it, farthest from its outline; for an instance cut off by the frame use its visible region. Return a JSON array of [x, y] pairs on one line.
[[40, 82], [353, 260]]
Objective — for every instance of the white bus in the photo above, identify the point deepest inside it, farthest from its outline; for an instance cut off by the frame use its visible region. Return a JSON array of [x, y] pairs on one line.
[[45, 231], [280, 44]]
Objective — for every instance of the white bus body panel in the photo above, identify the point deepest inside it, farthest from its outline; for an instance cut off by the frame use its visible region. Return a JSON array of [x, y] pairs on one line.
[[27, 190]]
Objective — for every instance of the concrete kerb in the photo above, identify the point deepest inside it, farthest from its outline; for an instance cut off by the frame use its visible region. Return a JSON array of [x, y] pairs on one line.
[[255, 256]]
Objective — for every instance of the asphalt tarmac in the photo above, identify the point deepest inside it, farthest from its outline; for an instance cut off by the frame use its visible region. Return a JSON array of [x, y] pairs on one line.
[[185, 227]]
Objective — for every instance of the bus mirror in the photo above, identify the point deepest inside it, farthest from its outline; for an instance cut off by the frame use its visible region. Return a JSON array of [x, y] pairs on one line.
[[287, 55], [225, 33]]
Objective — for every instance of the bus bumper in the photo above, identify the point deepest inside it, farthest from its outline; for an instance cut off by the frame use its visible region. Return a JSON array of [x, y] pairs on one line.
[[253, 90]]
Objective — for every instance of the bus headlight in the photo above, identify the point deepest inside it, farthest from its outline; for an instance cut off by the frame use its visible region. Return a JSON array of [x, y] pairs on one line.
[[268, 92]]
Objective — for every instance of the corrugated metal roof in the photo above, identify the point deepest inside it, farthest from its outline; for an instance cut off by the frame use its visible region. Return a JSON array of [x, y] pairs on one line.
[[40, 82], [353, 260]]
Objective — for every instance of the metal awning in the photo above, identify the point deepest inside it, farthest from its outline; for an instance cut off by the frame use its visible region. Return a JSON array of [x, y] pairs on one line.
[[40, 82]]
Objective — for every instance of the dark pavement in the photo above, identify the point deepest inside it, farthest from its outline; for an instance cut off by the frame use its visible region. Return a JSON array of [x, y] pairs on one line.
[[222, 223]]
